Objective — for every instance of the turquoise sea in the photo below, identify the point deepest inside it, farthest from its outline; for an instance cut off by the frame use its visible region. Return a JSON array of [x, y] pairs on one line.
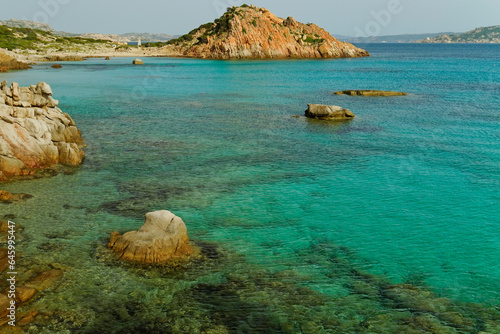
[[307, 226]]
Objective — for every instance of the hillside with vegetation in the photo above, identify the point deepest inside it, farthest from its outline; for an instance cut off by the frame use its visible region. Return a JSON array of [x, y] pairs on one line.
[[478, 35], [27, 40]]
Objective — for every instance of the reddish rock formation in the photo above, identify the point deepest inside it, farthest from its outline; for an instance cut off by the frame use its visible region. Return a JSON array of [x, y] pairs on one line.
[[9, 63], [252, 32], [34, 132], [162, 238]]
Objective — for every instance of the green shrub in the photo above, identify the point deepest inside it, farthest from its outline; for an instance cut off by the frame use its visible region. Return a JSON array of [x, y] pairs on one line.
[[202, 40], [312, 40], [182, 39], [222, 24]]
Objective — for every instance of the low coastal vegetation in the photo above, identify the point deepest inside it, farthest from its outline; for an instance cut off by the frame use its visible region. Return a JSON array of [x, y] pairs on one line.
[[26, 39]]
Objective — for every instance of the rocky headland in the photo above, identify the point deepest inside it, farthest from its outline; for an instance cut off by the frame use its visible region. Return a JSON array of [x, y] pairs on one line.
[[34, 133], [253, 32]]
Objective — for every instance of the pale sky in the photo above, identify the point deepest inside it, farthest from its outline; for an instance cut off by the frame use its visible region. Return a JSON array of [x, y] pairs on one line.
[[339, 17]]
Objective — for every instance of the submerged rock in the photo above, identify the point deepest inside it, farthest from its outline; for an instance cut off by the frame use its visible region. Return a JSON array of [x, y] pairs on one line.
[[369, 92], [24, 293], [34, 132], [320, 111], [7, 197], [45, 280], [56, 66], [138, 61], [162, 238]]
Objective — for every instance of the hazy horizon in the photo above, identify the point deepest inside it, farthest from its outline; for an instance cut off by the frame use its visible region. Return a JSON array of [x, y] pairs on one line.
[[360, 19]]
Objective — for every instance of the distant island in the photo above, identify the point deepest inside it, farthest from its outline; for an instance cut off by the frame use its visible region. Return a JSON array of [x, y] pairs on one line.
[[405, 38], [478, 35]]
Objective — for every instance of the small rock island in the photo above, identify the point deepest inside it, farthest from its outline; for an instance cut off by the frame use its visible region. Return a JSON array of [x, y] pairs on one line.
[[161, 239], [34, 132], [324, 112]]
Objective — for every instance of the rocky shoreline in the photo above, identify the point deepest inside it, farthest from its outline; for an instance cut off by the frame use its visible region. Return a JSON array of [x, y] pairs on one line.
[[34, 133]]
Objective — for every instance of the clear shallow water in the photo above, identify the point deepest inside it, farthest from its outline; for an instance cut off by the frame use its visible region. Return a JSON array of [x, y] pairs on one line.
[[408, 190]]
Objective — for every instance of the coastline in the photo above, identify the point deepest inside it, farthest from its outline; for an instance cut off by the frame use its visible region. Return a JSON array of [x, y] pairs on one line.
[[80, 226]]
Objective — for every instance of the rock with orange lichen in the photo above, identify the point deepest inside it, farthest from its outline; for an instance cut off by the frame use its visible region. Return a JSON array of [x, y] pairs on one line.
[[162, 238], [7, 197], [252, 32], [34, 132]]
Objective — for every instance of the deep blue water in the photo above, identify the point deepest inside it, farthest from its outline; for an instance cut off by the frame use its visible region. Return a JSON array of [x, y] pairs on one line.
[[409, 189]]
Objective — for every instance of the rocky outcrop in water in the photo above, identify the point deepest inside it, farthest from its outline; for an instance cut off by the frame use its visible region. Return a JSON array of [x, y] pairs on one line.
[[252, 32], [7, 197], [162, 238], [34, 132], [369, 92], [138, 61], [320, 111]]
